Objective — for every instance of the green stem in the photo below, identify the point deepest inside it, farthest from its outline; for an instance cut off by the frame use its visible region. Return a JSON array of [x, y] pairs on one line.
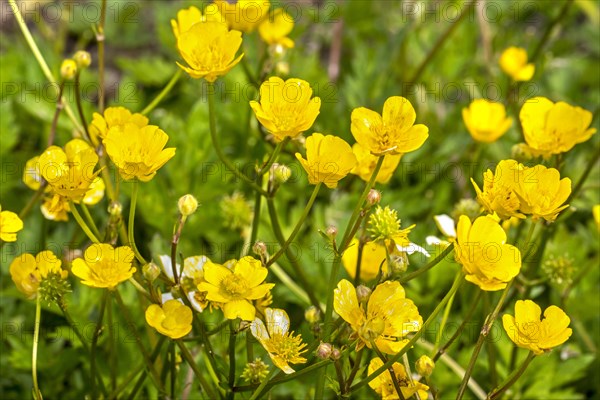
[[512, 378], [231, 377], [138, 340], [111, 346], [100, 39], [63, 306], [36, 339], [80, 106], [134, 193], [59, 107], [213, 134], [299, 272], [94, 346], [354, 370], [485, 330], [38, 56], [460, 328], [156, 101], [440, 43], [444, 320], [185, 353], [34, 199], [561, 14], [82, 223], [340, 377], [142, 377], [299, 224], [457, 283], [584, 176], [431, 264], [172, 373], [90, 220]]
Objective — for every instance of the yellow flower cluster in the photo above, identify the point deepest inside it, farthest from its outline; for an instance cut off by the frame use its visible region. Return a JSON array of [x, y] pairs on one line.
[[282, 346], [28, 272], [103, 266], [233, 289], [385, 321], [481, 248], [526, 329], [383, 384], [514, 190], [10, 224]]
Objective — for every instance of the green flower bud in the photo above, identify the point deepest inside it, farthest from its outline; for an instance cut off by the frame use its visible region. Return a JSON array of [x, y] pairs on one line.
[[68, 69]]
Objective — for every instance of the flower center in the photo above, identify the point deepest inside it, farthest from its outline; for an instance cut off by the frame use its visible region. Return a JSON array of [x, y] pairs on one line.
[[234, 285]]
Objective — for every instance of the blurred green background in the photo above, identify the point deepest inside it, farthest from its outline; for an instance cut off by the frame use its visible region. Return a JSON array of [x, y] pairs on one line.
[[354, 53]]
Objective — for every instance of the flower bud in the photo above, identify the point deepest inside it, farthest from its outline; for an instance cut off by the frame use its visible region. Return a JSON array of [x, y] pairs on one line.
[[312, 315], [281, 173], [83, 59], [324, 350], [399, 263], [374, 197], [363, 293], [260, 248], [255, 372], [115, 209], [336, 354], [425, 366], [151, 271], [282, 68], [331, 232], [68, 69], [468, 207], [187, 205]]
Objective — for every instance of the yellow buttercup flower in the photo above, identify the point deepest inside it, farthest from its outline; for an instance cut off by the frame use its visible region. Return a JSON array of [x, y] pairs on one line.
[[383, 384], [328, 159], [499, 189], [393, 132], [486, 120], [373, 258], [542, 192], [55, 207], [28, 272], [526, 329], [104, 266], [283, 347], [138, 152], [596, 215], [173, 319], [189, 16], [10, 224], [235, 288], [513, 62], [366, 163], [275, 29], [481, 248], [386, 320], [286, 108], [70, 172], [244, 15], [554, 128], [112, 117], [209, 49]]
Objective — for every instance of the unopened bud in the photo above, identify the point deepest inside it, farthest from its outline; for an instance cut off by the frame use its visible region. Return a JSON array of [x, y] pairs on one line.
[[324, 350], [115, 209], [260, 248], [282, 68], [374, 197], [425, 366], [151, 271], [336, 354], [363, 293], [83, 59], [331, 232], [68, 69], [187, 205], [281, 173], [399, 263], [312, 315]]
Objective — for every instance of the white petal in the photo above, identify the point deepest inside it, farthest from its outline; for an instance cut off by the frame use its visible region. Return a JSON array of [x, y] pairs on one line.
[[446, 225], [192, 265], [192, 298], [277, 321], [166, 297], [167, 267], [413, 248], [433, 240], [259, 330]]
